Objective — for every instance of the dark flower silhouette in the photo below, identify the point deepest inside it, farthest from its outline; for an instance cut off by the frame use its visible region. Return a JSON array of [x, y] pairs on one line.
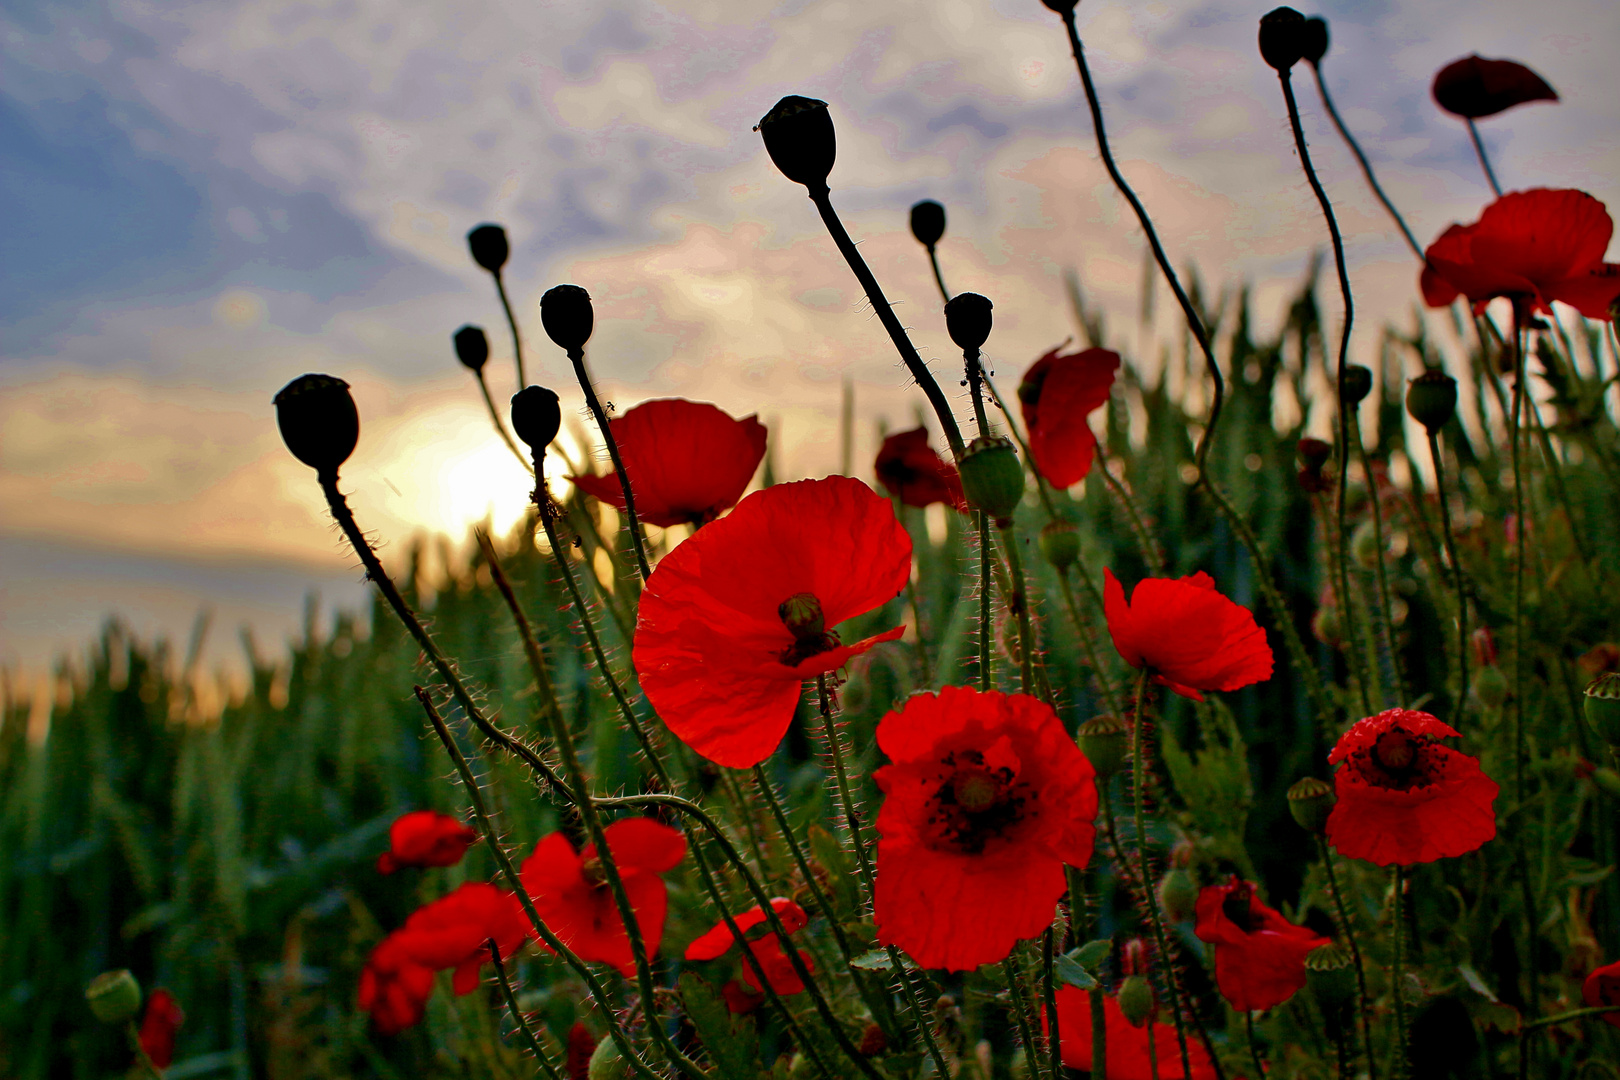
[[1475, 87], [913, 472]]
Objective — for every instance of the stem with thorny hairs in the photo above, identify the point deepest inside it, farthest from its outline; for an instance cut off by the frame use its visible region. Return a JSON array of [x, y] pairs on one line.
[[1402, 1064], [1364, 999], [1456, 572], [517, 340], [1383, 627], [1254, 1048], [1026, 1022], [577, 357], [518, 1018], [1054, 1036]]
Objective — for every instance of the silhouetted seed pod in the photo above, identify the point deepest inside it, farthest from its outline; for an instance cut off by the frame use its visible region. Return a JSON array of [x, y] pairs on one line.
[[472, 347], [1432, 400], [536, 416], [565, 312], [928, 222], [968, 319], [489, 247], [1314, 452], [114, 996], [798, 134], [1282, 37], [1357, 384], [1062, 7], [318, 421], [1314, 40], [1475, 87], [1310, 801]]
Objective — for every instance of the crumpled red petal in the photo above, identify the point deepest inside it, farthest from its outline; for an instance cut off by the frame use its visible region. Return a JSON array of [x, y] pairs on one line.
[[1057, 395], [1187, 633]]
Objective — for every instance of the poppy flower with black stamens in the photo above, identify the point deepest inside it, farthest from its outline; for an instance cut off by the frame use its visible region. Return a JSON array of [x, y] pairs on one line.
[[1404, 798], [1475, 87], [1127, 1052], [159, 1025], [986, 799], [572, 897], [1259, 955], [1602, 987], [687, 461], [1190, 636], [1056, 395], [425, 838], [767, 950], [735, 619], [913, 472], [1540, 245]]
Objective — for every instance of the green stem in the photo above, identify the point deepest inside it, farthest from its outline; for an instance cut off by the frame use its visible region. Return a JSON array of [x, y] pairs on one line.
[[522, 1022], [1456, 572], [1018, 601], [1151, 552], [577, 356], [1054, 1036], [1390, 658], [984, 599], [1099, 1034], [1484, 160], [1402, 1061], [1088, 642], [1026, 1024], [1564, 1018], [1254, 1048], [1348, 931]]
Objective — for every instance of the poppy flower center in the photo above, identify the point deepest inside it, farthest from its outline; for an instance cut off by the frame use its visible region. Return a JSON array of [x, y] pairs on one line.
[[1396, 751], [1238, 909], [975, 804], [801, 614], [975, 791], [591, 870]]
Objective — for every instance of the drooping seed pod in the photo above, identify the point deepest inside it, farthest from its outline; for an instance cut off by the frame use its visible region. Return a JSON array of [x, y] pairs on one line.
[[318, 421], [472, 347], [1357, 385], [114, 996], [928, 222], [799, 136], [1136, 999], [567, 315], [489, 247], [1431, 400], [1310, 801], [992, 477], [968, 319], [1282, 37], [536, 416], [1178, 894]]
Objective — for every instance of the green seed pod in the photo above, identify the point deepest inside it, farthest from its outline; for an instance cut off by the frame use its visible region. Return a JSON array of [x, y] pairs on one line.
[[1060, 543], [1490, 687], [799, 136], [114, 996], [1136, 999], [607, 1063], [1332, 980], [968, 319], [1431, 400], [1326, 626], [318, 421], [1607, 780], [1311, 801], [489, 247], [1364, 545], [536, 416], [1104, 740], [992, 477], [1282, 39], [928, 222], [1178, 894], [472, 347], [1357, 385], [566, 313], [1603, 706]]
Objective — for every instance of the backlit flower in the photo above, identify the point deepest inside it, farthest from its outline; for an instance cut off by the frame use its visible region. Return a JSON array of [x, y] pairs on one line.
[[766, 949], [686, 460], [425, 838], [572, 897], [1190, 636], [1259, 955], [1057, 394], [986, 799], [737, 617], [913, 472], [1127, 1045], [1539, 245], [159, 1026], [1602, 987], [1475, 87], [1404, 798]]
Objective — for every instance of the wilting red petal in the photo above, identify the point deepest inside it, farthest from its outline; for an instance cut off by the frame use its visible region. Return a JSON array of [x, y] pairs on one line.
[[1402, 797], [1190, 636], [713, 654], [686, 460], [719, 939], [1602, 987], [778, 968], [986, 799], [913, 472], [425, 838], [1127, 1044], [1474, 87], [1259, 955], [159, 1025], [1057, 394]]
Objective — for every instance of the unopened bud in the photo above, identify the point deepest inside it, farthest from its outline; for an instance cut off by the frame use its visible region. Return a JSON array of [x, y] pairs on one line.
[[1364, 545], [536, 416], [489, 247], [1104, 739], [968, 319], [1357, 385], [1432, 400], [607, 1063], [1136, 999], [1060, 543], [472, 347], [1326, 626], [114, 996], [1313, 39], [1311, 801], [566, 314], [1282, 37], [1314, 453], [1178, 895], [1603, 707], [1490, 687], [1484, 646], [928, 222], [318, 421], [992, 477], [799, 136]]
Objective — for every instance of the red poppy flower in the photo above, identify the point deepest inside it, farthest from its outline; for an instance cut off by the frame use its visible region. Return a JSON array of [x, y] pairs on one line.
[[686, 460], [1474, 87], [1057, 394], [736, 618], [987, 799], [394, 988], [913, 472], [158, 1027], [425, 838], [1544, 244], [1190, 636], [581, 1045], [767, 950], [1404, 798], [572, 897], [1602, 987], [1259, 955], [1127, 1044]]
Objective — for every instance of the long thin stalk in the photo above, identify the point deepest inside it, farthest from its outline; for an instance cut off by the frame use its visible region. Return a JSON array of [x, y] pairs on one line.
[[1456, 572], [1382, 625], [1254, 1048], [1361, 159], [1484, 159], [500, 426], [524, 1028], [939, 279], [511, 321], [984, 599], [1402, 1060], [577, 357], [1099, 1034], [1364, 1000]]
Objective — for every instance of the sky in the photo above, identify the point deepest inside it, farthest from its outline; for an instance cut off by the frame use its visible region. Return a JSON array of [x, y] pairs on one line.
[[205, 200]]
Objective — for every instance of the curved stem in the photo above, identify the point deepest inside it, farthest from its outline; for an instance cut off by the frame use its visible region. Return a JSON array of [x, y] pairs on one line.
[[1054, 1036], [1152, 554], [1484, 159], [1083, 628], [1382, 624], [1366, 166], [1564, 1018], [522, 1022], [577, 356], [939, 279], [1346, 929], [1018, 601], [1456, 573], [495, 418], [517, 339]]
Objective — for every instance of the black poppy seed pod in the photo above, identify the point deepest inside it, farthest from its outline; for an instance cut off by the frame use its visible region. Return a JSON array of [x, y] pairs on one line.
[[1282, 37], [1432, 400], [536, 416], [799, 136], [1357, 384], [318, 421], [1313, 39], [1062, 7], [489, 247], [968, 319], [565, 312], [472, 347], [114, 996], [928, 222]]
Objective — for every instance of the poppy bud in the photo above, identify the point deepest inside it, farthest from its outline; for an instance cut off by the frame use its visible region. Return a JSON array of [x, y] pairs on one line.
[[1364, 545], [1475, 87], [607, 1063], [1432, 400], [1325, 625], [1178, 895], [1357, 385], [1136, 999], [799, 136], [114, 996], [1282, 37], [536, 416], [1314, 452], [1102, 739], [1484, 646], [1310, 801], [489, 247], [566, 313], [1490, 687], [1603, 707], [318, 421], [967, 320], [1313, 39], [472, 347], [992, 478], [1060, 543], [928, 222]]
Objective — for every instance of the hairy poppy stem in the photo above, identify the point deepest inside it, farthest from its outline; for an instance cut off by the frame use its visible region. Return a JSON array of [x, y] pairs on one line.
[[1366, 166], [511, 321], [577, 357], [522, 1022], [1139, 790], [1364, 1000], [1153, 1051], [504, 863], [1018, 601], [984, 600], [1456, 572], [1398, 926], [495, 418], [1389, 657], [1484, 159], [1021, 1010], [1099, 1034], [1054, 1035], [1515, 433]]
